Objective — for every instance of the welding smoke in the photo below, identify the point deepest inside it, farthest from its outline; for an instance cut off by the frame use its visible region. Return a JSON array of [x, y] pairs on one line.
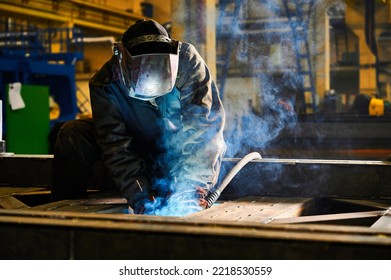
[[263, 104], [266, 100]]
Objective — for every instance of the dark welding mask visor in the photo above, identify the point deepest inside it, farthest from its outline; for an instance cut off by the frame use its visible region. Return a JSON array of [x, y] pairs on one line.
[[147, 76]]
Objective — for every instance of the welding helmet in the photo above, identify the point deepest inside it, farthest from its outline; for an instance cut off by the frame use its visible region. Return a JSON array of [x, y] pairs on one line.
[[147, 60]]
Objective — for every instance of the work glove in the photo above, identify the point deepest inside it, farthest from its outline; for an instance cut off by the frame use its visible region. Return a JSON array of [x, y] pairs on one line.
[[140, 196], [201, 195], [170, 199], [140, 203], [186, 198], [150, 199], [159, 194]]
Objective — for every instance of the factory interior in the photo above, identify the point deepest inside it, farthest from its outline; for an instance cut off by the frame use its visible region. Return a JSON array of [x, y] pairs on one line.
[[306, 84]]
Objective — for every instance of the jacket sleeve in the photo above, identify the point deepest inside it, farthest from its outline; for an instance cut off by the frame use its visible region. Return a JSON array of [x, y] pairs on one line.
[[124, 165], [203, 118]]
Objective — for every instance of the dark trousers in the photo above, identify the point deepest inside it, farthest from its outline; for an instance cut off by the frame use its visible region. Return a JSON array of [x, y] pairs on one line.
[[77, 163]]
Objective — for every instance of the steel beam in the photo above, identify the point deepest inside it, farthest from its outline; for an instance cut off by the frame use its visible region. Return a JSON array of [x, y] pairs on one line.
[[357, 179], [26, 170], [59, 235]]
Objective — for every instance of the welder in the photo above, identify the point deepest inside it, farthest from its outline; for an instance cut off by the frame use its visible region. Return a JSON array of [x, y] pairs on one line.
[[368, 105], [156, 130]]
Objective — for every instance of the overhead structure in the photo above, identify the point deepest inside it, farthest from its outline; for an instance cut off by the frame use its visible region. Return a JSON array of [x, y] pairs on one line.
[[101, 19]]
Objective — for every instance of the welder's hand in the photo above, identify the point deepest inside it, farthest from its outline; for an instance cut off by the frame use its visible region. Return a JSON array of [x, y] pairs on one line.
[[140, 200], [286, 106], [201, 194]]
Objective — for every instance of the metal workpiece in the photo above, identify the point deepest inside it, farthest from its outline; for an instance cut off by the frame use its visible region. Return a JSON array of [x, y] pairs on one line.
[[363, 179], [62, 235], [25, 170], [271, 209], [2, 146], [366, 179]]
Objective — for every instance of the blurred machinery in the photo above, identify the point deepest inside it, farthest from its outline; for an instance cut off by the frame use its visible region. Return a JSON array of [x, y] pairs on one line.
[[287, 23], [43, 58], [366, 104]]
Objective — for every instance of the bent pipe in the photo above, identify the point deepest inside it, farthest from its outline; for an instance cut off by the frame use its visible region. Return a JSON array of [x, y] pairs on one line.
[[215, 194]]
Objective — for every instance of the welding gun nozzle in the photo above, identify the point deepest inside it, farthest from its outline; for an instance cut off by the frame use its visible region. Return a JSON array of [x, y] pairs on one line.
[[212, 197]]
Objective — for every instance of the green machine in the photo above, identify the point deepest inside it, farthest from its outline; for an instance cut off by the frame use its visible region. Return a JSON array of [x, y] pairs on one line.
[[27, 128], [43, 62]]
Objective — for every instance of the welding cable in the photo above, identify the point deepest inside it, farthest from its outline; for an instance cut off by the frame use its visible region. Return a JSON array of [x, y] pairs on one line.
[[215, 194]]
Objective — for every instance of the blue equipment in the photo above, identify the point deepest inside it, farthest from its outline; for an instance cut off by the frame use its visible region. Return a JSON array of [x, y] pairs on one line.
[[34, 56]]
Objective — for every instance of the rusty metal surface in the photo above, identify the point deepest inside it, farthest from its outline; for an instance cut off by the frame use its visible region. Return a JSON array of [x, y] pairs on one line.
[[384, 221], [253, 209], [329, 218], [9, 202], [272, 210]]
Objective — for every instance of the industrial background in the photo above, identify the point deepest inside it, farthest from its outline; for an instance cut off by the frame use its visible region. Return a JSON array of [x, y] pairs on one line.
[[305, 83]]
